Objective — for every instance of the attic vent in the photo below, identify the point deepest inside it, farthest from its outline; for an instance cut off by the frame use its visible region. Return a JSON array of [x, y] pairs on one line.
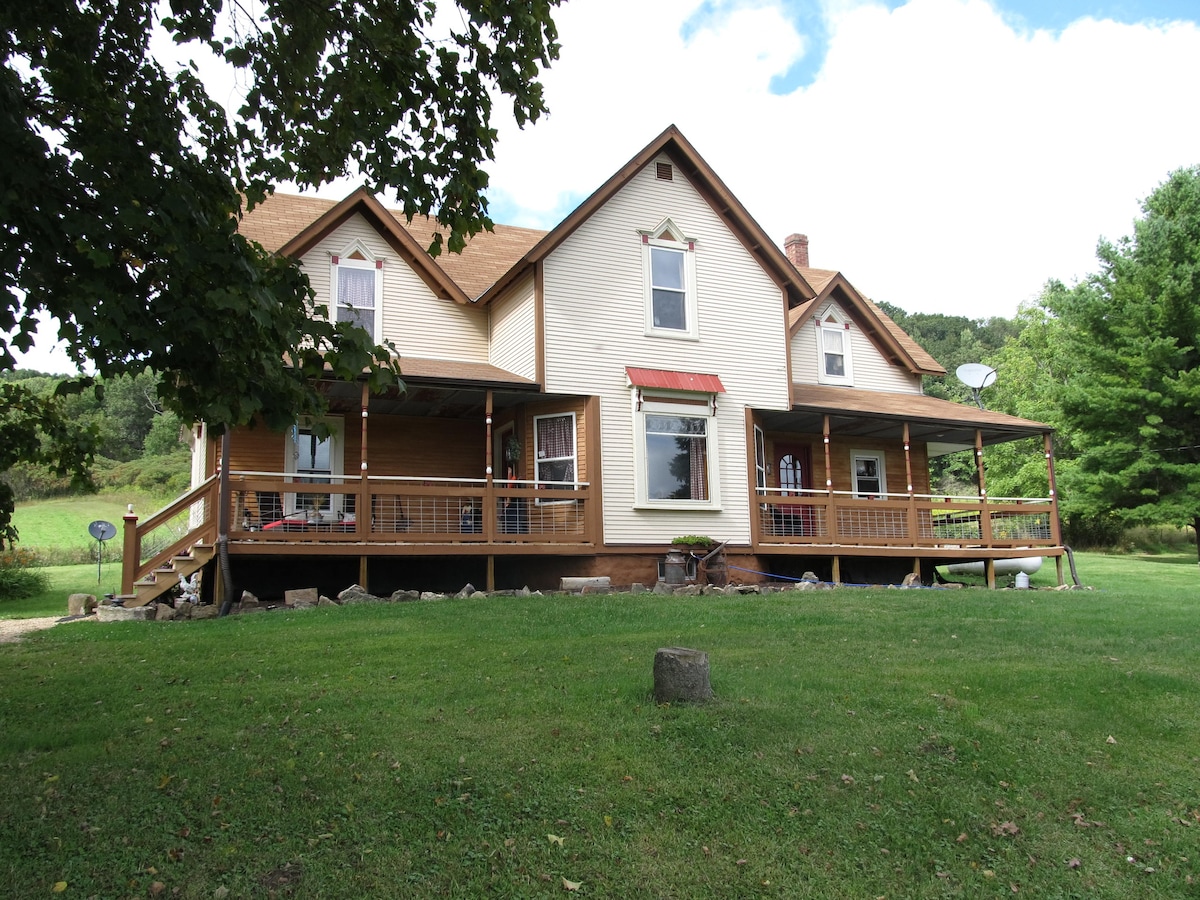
[[665, 172]]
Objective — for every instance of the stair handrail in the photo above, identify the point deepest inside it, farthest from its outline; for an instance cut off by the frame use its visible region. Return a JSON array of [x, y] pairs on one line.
[[132, 568]]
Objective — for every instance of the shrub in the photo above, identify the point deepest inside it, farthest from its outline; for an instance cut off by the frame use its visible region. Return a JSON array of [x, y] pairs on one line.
[[1092, 532], [18, 576], [693, 540]]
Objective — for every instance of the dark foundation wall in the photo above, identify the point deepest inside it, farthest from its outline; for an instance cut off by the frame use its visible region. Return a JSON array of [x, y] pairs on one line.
[[269, 577]]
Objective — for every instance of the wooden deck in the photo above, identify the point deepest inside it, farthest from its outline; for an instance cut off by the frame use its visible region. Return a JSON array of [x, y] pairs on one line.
[[272, 514], [909, 522]]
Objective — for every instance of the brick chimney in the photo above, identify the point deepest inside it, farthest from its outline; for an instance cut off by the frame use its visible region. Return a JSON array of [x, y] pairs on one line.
[[796, 248]]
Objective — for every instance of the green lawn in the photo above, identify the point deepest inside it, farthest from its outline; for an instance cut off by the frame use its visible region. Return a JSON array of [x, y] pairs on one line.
[[58, 527], [863, 743]]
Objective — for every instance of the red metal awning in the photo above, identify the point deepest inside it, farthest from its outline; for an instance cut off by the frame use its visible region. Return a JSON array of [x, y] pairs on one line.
[[666, 379]]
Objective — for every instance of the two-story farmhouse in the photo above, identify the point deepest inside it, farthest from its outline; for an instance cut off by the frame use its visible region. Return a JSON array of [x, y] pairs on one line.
[[654, 366]]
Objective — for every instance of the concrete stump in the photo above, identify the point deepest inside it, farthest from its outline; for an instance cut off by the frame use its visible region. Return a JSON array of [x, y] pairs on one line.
[[681, 674]]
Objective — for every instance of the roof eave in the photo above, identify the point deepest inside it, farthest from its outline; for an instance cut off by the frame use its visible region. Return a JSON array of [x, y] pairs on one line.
[[363, 202], [720, 198]]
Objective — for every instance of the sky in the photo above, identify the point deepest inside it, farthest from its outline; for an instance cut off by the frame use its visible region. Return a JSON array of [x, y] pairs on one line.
[[947, 156]]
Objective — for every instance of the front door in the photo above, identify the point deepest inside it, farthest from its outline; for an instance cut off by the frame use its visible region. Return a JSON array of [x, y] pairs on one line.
[[793, 468]]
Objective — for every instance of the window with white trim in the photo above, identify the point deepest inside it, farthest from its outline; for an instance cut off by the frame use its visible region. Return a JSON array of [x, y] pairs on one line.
[[356, 283], [869, 474], [834, 363], [676, 451], [314, 456], [555, 449], [670, 282]]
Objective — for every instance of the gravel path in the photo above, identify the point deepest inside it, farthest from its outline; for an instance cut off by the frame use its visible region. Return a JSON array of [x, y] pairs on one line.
[[12, 630]]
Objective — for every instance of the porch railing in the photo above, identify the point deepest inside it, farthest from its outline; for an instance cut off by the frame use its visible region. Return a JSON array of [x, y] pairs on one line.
[[904, 520], [271, 507]]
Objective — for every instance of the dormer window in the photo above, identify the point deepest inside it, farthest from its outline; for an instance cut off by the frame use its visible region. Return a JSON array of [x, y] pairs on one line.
[[356, 285], [833, 348], [670, 282]]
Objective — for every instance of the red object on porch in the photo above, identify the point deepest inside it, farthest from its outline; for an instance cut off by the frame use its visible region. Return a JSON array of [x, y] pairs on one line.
[[674, 381]]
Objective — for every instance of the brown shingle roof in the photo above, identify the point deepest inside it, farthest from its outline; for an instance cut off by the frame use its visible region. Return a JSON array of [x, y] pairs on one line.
[[907, 406], [487, 256], [826, 281]]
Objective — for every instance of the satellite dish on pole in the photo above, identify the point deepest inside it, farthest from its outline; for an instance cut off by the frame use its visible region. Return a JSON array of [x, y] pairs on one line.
[[976, 376], [101, 531]]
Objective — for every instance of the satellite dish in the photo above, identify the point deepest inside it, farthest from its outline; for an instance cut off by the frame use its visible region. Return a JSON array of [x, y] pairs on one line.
[[101, 530], [976, 376]]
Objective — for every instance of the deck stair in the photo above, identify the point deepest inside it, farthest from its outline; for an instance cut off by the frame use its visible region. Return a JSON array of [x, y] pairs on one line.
[[162, 579]]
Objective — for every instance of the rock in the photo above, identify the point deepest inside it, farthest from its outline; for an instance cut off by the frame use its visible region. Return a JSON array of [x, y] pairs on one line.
[[524, 592], [405, 596], [911, 580], [571, 583], [249, 600], [479, 595], [638, 588], [164, 612], [432, 595], [326, 601], [662, 587], [467, 591], [681, 674], [81, 604], [747, 589], [121, 614], [354, 594], [205, 611], [810, 577], [307, 595], [592, 589]]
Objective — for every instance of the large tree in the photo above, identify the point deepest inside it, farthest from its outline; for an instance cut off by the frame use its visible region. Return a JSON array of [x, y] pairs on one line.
[[1133, 330], [122, 179]]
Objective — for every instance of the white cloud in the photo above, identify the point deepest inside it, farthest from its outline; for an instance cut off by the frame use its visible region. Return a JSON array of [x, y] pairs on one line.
[[944, 161]]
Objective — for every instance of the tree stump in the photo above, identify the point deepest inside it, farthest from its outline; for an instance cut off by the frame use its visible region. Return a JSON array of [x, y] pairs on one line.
[[681, 674]]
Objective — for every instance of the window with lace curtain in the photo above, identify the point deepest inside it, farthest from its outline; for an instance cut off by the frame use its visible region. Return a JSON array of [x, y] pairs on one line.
[[676, 452], [555, 451], [357, 287]]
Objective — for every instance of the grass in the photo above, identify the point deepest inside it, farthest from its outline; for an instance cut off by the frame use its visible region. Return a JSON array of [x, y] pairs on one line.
[[57, 529], [63, 581], [863, 743]]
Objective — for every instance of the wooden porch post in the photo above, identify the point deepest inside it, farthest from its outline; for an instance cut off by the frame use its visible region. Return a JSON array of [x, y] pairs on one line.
[[913, 532], [752, 479], [985, 518], [1055, 525], [131, 553], [830, 511], [362, 505], [489, 495], [594, 520], [224, 585]]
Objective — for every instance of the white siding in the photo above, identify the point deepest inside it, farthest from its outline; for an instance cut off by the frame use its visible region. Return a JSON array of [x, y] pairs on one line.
[[514, 334], [872, 371], [595, 327], [419, 322]]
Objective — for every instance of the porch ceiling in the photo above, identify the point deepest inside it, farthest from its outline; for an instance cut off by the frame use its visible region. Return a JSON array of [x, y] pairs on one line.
[[881, 415], [438, 389]]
